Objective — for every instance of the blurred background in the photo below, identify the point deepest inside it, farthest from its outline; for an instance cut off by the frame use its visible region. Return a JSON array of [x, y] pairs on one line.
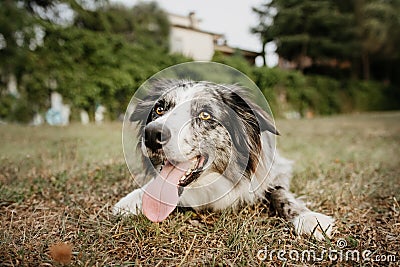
[[82, 60]]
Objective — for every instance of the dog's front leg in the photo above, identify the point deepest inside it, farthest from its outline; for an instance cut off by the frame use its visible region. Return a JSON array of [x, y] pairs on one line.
[[131, 203], [304, 220]]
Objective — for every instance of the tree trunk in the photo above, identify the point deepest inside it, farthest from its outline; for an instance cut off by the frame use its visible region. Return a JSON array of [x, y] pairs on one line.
[[365, 65], [301, 65], [263, 54]]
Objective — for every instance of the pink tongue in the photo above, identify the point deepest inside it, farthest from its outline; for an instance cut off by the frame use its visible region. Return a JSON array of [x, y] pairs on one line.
[[161, 195]]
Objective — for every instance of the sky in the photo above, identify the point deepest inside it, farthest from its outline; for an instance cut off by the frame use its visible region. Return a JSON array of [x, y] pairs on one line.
[[233, 18]]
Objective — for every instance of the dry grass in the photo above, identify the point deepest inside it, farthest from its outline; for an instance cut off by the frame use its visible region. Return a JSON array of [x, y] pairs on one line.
[[347, 166]]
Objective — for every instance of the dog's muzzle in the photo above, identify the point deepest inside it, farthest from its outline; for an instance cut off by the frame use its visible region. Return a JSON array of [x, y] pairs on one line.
[[156, 135]]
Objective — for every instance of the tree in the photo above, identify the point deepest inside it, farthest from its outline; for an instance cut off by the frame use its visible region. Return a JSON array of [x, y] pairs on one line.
[[91, 69], [378, 31], [305, 28], [152, 22], [145, 22], [16, 33], [19, 37], [99, 57], [362, 32], [265, 15]]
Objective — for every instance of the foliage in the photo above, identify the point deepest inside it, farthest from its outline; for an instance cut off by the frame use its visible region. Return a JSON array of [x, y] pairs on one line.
[[292, 91], [105, 51], [101, 57], [15, 36], [143, 22], [359, 34], [236, 60], [92, 68], [307, 28]]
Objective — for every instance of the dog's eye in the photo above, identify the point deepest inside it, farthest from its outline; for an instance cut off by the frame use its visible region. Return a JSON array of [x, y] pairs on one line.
[[160, 110], [204, 115]]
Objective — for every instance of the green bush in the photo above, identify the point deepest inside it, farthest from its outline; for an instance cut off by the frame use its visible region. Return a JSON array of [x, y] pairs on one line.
[[325, 95], [92, 68], [22, 112], [288, 91], [236, 61], [6, 104], [109, 71], [367, 95]]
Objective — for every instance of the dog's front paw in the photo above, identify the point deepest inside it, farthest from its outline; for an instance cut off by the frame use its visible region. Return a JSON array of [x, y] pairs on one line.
[[130, 204], [313, 223]]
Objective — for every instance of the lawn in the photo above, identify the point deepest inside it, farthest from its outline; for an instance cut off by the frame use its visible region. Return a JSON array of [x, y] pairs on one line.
[[58, 184]]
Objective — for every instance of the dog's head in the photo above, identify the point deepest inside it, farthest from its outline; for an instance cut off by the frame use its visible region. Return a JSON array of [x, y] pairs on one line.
[[189, 128]]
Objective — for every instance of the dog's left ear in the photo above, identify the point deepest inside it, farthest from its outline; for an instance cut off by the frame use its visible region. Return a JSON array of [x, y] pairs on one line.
[[264, 121]]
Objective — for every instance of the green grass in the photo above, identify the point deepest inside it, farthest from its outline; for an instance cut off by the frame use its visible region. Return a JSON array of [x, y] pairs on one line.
[[58, 184]]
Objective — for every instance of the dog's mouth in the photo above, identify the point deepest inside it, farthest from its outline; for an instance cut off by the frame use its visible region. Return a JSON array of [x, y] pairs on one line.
[[193, 172], [161, 195]]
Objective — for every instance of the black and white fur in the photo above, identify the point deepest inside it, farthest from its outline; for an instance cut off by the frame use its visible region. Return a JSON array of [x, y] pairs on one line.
[[242, 166]]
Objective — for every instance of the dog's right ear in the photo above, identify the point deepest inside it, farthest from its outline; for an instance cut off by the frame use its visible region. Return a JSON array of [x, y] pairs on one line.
[[142, 112], [154, 90]]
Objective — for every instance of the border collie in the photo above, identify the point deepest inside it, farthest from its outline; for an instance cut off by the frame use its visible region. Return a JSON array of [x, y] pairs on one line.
[[207, 146]]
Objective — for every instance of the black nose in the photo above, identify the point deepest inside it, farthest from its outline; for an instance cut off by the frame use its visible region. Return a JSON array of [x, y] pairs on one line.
[[156, 135]]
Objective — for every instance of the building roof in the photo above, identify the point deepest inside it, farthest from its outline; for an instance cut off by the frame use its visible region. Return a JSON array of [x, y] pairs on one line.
[[190, 22], [198, 30], [231, 50]]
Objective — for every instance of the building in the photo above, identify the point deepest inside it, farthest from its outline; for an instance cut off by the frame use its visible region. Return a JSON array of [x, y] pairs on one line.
[[188, 39]]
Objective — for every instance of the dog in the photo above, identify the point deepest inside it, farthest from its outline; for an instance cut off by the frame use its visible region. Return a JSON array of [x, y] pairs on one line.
[[207, 146]]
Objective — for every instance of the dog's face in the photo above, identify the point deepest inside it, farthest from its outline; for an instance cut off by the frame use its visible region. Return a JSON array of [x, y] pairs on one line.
[[189, 128], [185, 126]]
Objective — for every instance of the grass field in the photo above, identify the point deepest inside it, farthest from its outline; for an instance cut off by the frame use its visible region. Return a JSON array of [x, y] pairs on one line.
[[59, 184]]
